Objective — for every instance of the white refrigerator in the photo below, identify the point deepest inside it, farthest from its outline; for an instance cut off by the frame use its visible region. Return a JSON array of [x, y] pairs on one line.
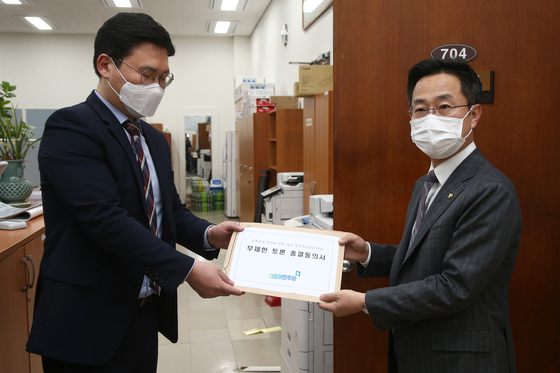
[[229, 176]]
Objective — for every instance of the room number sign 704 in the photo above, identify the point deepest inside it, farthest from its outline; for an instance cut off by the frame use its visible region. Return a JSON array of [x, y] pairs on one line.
[[454, 51]]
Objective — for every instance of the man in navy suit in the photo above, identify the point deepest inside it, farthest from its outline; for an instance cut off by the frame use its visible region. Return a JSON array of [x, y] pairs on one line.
[[447, 306], [110, 271]]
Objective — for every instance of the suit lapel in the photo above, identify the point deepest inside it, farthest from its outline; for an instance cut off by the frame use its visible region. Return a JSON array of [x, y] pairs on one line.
[[450, 191], [117, 130], [409, 222]]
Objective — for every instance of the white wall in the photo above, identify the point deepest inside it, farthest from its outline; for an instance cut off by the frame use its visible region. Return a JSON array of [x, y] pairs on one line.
[[54, 71], [270, 58]]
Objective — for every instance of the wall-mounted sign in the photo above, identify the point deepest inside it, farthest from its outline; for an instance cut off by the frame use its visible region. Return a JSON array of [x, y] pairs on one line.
[[454, 51]]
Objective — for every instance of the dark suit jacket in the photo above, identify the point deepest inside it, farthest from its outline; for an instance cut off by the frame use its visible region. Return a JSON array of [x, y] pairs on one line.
[[448, 300], [98, 245]]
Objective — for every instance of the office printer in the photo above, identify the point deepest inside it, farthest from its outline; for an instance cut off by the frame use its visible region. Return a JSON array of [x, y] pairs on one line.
[[321, 211], [285, 200]]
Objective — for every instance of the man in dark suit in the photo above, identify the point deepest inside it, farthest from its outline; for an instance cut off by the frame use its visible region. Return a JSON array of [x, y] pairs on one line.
[[110, 270], [447, 306]]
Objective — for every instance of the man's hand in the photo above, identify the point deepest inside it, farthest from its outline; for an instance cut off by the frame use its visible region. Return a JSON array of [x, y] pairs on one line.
[[356, 250], [210, 281], [219, 235], [343, 302]]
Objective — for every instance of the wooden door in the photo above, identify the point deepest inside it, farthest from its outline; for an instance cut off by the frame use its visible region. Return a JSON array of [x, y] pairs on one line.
[[376, 164]]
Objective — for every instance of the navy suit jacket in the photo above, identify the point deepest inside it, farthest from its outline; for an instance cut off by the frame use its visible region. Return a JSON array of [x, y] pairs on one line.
[[447, 304], [98, 245]]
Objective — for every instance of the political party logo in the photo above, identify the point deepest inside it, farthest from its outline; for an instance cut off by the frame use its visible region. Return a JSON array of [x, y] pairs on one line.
[[277, 276]]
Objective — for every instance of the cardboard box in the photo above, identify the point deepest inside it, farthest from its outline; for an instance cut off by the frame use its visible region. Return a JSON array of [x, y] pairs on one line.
[[298, 93], [287, 106], [314, 79], [283, 100]]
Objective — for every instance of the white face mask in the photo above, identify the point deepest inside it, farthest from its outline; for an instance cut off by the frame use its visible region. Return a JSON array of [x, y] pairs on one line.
[[438, 137], [139, 99]]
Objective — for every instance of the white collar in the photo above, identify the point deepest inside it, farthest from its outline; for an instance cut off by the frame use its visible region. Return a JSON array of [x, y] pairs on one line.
[[444, 170], [116, 112]]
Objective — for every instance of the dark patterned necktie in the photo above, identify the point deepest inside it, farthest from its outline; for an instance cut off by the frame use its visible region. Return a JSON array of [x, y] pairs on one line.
[[428, 183], [133, 129]]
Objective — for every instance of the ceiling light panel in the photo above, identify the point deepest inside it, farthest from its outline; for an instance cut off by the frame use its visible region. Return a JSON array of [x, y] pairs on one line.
[[228, 5], [39, 23], [17, 2], [122, 3], [221, 27]]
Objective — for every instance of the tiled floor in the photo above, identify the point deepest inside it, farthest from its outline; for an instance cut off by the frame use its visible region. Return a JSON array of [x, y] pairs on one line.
[[211, 338]]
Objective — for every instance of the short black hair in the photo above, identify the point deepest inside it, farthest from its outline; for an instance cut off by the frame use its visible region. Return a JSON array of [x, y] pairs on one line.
[[471, 86], [121, 33]]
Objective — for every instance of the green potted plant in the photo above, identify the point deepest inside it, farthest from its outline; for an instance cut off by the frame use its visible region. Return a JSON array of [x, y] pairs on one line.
[[16, 138]]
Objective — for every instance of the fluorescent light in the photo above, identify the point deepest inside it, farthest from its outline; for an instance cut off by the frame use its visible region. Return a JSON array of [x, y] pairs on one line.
[[39, 23], [12, 2], [310, 5], [122, 3], [229, 5], [221, 27]]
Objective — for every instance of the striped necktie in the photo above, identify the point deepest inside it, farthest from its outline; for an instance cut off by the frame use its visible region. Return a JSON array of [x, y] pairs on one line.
[[428, 183], [133, 128]]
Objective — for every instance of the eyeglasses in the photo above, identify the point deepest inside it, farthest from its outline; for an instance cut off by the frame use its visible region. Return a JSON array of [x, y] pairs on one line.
[[444, 110], [149, 76]]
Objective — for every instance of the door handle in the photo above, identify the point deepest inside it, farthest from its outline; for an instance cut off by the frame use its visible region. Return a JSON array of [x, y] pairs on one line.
[[348, 266], [30, 258], [313, 183], [24, 260]]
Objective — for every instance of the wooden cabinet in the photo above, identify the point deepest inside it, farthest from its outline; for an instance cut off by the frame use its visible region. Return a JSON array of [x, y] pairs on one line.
[[318, 146], [266, 141], [20, 256]]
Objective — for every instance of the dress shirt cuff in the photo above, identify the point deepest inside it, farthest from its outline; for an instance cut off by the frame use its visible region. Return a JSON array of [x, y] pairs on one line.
[[190, 270], [207, 247], [365, 264]]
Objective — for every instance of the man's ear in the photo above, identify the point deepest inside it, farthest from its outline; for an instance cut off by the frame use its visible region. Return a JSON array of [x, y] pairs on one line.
[[476, 113], [103, 62]]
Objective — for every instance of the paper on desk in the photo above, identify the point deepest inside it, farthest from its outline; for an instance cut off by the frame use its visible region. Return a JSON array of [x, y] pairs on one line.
[[283, 261]]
